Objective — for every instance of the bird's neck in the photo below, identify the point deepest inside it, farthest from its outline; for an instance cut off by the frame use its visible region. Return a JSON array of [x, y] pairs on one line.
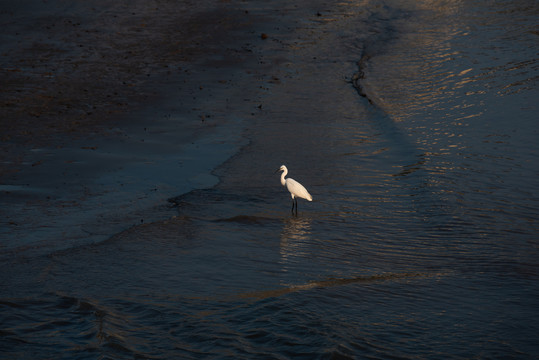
[[283, 181]]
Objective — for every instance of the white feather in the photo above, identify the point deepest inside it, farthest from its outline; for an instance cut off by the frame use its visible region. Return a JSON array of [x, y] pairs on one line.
[[296, 189]]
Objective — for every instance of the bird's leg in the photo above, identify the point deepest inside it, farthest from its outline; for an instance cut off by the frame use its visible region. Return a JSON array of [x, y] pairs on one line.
[[295, 204]]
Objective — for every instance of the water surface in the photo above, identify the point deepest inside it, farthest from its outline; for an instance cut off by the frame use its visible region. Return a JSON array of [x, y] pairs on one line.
[[413, 126]]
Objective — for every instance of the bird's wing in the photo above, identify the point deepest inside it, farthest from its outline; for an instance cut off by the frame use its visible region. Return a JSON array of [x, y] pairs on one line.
[[297, 189]]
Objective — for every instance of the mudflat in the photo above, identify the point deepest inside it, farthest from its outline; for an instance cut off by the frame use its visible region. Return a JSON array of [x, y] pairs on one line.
[[104, 104]]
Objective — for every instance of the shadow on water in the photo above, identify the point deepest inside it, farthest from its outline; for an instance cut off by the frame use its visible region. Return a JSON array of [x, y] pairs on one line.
[[249, 220]]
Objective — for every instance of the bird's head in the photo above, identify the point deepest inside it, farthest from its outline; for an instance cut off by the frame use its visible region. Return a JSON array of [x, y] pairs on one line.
[[282, 168]]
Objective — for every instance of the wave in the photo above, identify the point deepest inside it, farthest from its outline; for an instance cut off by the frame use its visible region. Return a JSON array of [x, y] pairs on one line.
[[332, 282]]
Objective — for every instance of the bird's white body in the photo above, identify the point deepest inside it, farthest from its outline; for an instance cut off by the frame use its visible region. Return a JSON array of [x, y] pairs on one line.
[[294, 187]]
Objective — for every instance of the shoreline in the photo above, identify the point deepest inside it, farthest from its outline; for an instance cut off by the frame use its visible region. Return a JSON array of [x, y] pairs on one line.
[[68, 180]]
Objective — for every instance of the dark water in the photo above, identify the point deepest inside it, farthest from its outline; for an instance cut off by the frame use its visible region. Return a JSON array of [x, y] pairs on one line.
[[421, 241]]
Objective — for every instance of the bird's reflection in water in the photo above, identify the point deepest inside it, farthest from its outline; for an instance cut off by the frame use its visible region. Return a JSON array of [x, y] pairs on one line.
[[295, 239]]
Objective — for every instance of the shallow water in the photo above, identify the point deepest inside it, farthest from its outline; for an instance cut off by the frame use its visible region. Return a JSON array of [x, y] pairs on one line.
[[421, 241]]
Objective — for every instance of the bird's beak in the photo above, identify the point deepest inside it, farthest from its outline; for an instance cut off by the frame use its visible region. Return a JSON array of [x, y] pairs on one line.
[[276, 171]]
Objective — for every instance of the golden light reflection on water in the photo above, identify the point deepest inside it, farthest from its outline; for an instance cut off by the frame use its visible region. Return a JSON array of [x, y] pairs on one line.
[[441, 73], [295, 238], [423, 77]]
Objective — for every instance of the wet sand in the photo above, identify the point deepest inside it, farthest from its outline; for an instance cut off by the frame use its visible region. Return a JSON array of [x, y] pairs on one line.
[[73, 70], [109, 109]]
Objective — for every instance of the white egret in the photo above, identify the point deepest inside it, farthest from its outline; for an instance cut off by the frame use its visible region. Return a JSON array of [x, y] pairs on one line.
[[295, 188]]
